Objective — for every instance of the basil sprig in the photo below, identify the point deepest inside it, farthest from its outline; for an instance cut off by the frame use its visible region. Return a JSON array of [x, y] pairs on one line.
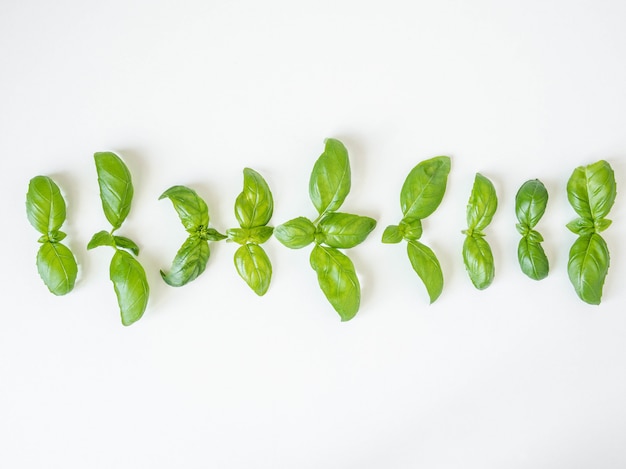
[[530, 205], [329, 185], [591, 191], [192, 257], [125, 271], [45, 209], [421, 194], [477, 255]]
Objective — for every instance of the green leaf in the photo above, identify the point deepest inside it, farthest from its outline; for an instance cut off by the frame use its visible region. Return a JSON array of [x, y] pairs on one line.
[[591, 190], [532, 258], [588, 267], [260, 234], [427, 267], [411, 229], [337, 279], [424, 187], [192, 210], [131, 286], [45, 207], [210, 234], [482, 204], [254, 267], [57, 267], [255, 205], [116, 187], [345, 230], [392, 235], [296, 233], [530, 202], [330, 179], [101, 238], [602, 224], [478, 260], [125, 243], [581, 226], [190, 261], [238, 235]]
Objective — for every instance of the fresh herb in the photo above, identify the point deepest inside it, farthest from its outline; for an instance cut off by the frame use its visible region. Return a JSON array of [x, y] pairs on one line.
[[331, 230], [421, 194], [477, 255], [530, 204], [591, 191], [126, 273], [45, 209], [192, 257]]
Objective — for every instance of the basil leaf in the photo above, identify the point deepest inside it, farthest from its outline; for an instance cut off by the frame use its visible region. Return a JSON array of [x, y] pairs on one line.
[[125, 243], [57, 267], [591, 190], [190, 261], [532, 258], [337, 279], [116, 188], [581, 226], [101, 238], [588, 267], [254, 267], [392, 235], [192, 210], [345, 230], [330, 179], [411, 228], [260, 234], [210, 234], [478, 260], [427, 267], [255, 205], [530, 202], [238, 235], [131, 286], [424, 187], [45, 207], [296, 233], [482, 204]]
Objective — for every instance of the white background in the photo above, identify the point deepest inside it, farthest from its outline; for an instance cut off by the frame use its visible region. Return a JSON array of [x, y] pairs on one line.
[[520, 375]]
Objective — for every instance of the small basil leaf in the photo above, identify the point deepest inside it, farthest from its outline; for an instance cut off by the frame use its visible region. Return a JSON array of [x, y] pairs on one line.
[[482, 204], [330, 179], [392, 235], [345, 230], [581, 226], [424, 187], [210, 234], [238, 235], [101, 238], [478, 260], [254, 267], [411, 229], [602, 224], [296, 233], [427, 267], [532, 259], [191, 208], [530, 202], [260, 234], [591, 190], [56, 236], [116, 187], [57, 267], [125, 243], [190, 261], [131, 286], [45, 207], [588, 266], [254, 206], [534, 236], [337, 279]]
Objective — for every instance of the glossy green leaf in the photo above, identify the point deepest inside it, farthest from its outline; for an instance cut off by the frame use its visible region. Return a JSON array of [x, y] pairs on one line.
[[478, 260], [581, 226], [482, 204], [255, 205], [256, 235], [116, 188], [101, 238], [337, 279], [588, 267], [131, 286], [210, 234], [427, 267], [296, 233], [190, 261], [424, 187], [125, 243], [591, 190], [45, 207], [392, 235], [345, 230], [532, 258], [57, 267], [530, 202], [411, 228], [330, 179], [254, 267], [238, 235], [191, 208]]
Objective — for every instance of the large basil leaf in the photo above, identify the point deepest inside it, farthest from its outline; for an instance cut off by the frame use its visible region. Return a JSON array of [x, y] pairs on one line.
[[189, 262], [427, 267], [254, 267], [254, 206], [131, 286], [588, 266], [330, 179], [337, 279], [57, 267], [478, 260], [296, 233], [532, 258], [345, 230], [45, 207], [191, 208], [482, 204], [116, 188], [530, 202], [591, 190], [424, 187]]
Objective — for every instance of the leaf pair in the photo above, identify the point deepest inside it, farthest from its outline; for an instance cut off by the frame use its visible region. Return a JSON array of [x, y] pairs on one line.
[[421, 194], [591, 191], [329, 186], [45, 209], [126, 273], [530, 204], [477, 255]]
